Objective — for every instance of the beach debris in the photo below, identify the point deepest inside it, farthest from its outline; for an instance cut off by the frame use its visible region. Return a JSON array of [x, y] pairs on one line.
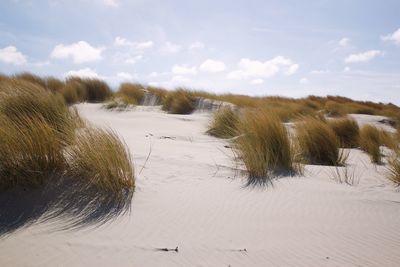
[[168, 249], [167, 137]]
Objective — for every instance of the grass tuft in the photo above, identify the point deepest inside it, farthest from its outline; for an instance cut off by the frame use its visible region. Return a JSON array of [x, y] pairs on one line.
[[264, 146], [102, 159], [179, 102], [224, 123], [30, 152], [370, 141], [394, 168], [318, 143], [347, 131], [21, 100], [134, 92]]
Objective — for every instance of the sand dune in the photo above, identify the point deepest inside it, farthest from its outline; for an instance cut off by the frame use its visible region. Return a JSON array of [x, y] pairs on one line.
[[191, 195]]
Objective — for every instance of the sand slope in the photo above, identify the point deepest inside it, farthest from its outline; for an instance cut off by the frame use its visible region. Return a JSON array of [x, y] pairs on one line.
[[189, 195]]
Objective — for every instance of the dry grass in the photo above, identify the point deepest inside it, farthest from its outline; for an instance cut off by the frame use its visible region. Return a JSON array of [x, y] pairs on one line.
[[345, 175], [388, 139], [394, 168], [133, 91], [264, 146], [224, 123], [120, 103], [39, 134], [318, 143], [370, 141], [77, 90], [20, 100], [347, 131], [179, 102], [102, 159], [30, 152], [95, 90]]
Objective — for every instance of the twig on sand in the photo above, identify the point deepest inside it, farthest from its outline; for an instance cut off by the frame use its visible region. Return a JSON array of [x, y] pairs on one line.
[[167, 249], [148, 155], [168, 137]]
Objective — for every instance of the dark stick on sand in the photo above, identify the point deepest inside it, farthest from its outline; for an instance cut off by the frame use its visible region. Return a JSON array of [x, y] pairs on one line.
[[168, 249]]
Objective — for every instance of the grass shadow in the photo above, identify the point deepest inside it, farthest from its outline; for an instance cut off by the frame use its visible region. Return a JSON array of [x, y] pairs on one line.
[[70, 203]]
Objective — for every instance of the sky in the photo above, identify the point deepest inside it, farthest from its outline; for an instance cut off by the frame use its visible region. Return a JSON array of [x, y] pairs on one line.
[[288, 47]]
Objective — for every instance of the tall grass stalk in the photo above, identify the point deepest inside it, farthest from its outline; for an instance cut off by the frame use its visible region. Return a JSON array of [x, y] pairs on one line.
[[102, 159], [224, 123], [264, 146], [347, 131], [318, 143], [370, 141]]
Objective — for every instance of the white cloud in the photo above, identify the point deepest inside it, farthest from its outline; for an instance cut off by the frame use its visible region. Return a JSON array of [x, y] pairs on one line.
[[133, 60], [80, 52], [154, 84], [257, 69], [196, 45], [112, 3], [317, 72], [363, 57], [170, 48], [11, 55], [237, 75], [344, 42], [179, 79], [126, 76], [346, 69], [292, 69], [183, 70], [41, 63], [395, 37], [83, 73], [156, 74], [303, 80], [119, 41], [257, 81], [212, 66]]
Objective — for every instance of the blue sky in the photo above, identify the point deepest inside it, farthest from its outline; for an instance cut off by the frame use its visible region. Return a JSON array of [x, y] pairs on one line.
[[291, 48]]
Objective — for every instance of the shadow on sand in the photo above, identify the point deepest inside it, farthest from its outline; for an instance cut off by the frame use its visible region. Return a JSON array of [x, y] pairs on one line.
[[73, 204]]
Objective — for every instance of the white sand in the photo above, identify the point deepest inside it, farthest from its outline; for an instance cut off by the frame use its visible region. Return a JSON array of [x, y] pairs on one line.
[[188, 196]]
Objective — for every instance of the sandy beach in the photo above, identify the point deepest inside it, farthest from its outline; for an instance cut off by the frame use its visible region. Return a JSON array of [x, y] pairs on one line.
[[191, 194]]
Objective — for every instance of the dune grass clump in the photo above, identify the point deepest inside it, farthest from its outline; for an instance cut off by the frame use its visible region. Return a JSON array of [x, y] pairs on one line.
[[394, 168], [21, 100], [53, 165], [318, 143], [388, 139], [264, 146], [133, 92], [102, 159], [179, 102], [224, 123], [347, 131], [86, 89], [30, 152], [370, 141], [32, 78], [120, 103]]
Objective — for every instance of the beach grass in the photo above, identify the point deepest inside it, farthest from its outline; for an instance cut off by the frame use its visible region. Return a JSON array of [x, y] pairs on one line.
[[318, 143], [347, 130], [224, 123], [370, 141], [264, 146]]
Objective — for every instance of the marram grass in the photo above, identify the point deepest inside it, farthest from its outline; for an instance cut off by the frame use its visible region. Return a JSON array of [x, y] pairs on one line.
[[102, 159], [224, 123], [264, 146], [370, 141], [347, 131], [318, 143]]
